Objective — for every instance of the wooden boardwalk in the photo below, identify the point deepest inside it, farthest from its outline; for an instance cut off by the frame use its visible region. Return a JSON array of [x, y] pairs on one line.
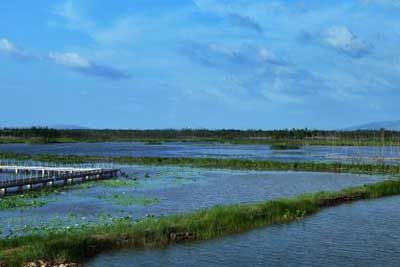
[[49, 176]]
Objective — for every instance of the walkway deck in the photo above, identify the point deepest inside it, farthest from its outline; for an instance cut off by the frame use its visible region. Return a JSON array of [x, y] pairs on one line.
[[41, 176]]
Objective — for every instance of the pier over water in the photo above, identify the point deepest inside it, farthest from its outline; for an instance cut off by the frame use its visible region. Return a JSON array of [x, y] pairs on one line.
[[18, 177]]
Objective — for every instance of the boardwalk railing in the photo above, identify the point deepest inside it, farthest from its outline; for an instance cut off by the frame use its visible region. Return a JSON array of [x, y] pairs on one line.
[[47, 176]]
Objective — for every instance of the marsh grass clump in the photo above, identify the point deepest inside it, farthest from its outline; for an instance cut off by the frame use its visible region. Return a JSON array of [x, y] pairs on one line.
[[79, 244]]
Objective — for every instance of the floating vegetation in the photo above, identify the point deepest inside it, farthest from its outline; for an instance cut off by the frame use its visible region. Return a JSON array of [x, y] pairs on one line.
[[80, 243], [108, 183], [285, 146], [20, 202], [153, 142], [125, 199], [59, 224], [35, 199], [30, 199]]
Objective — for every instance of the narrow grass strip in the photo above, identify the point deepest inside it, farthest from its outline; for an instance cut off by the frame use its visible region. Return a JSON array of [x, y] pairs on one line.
[[79, 245], [214, 163]]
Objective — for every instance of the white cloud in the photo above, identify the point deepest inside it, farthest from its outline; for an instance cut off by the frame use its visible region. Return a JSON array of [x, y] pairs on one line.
[[77, 63], [340, 38], [70, 60], [343, 40], [8, 48]]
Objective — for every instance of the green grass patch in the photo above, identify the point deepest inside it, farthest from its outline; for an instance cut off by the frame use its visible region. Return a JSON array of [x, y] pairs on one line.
[[82, 243]]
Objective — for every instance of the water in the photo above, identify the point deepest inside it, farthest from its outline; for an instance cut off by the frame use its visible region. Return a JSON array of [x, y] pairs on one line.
[[360, 234], [365, 234], [213, 150], [177, 190]]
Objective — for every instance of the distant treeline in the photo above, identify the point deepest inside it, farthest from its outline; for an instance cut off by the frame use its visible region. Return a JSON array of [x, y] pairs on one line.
[[223, 135]]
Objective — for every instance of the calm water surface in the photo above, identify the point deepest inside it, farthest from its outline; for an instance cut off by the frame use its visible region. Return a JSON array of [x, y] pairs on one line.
[[362, 234], [259, 152]]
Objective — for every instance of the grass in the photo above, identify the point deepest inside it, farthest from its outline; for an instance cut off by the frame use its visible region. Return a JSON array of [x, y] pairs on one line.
[[214, 163], [80, 244]]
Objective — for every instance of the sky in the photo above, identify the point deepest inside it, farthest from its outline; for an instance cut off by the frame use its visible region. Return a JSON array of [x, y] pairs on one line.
[[245, 64]]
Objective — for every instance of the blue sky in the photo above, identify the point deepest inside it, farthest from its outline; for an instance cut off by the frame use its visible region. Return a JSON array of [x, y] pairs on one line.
[[199, 63]]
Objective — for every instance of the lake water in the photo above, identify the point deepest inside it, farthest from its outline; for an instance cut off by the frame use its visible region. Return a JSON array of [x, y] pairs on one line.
[[360, 234], [214, 150], [364, 234], [176, 189]]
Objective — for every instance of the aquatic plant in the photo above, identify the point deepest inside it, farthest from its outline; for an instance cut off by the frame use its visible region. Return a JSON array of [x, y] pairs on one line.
[[285, 146], [30, 199], [33, 199], [116, 182], [153, 142], [18, 202], [81, 243]]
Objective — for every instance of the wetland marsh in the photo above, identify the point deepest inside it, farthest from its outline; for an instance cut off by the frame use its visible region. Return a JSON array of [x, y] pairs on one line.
[[159, 188]]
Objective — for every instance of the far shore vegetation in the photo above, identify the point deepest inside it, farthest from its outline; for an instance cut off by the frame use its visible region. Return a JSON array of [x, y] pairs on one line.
[[82, 243], [279, 138], [213, 163]]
